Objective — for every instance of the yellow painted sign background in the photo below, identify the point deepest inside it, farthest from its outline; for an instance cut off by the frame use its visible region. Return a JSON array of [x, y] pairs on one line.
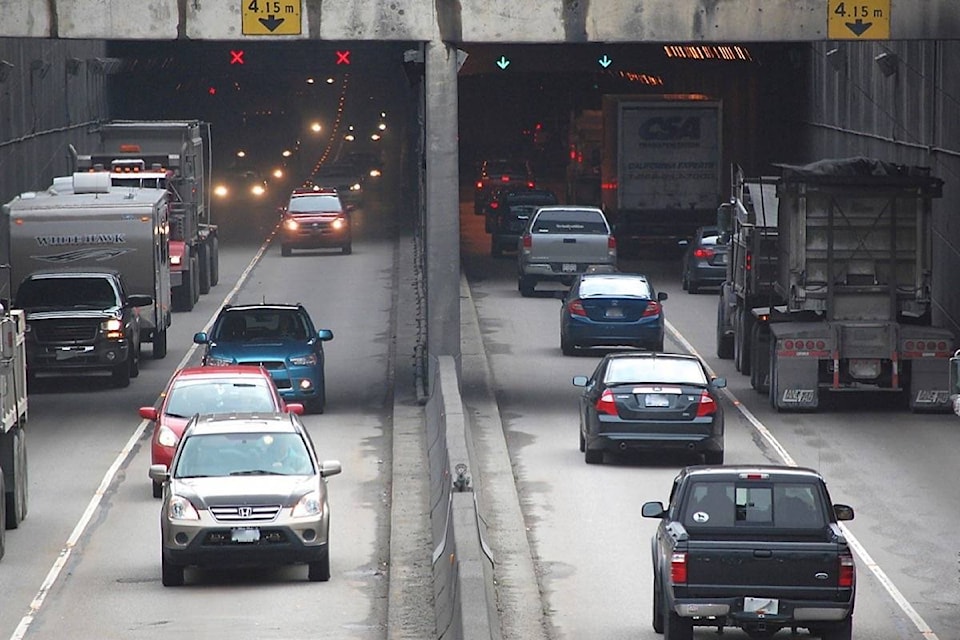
[[271, 17], [858, 20]]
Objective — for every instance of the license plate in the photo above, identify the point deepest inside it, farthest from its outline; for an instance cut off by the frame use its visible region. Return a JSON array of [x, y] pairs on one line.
[[656, 400], [615, 312], [245, 535], [569, 267], [768, 606]]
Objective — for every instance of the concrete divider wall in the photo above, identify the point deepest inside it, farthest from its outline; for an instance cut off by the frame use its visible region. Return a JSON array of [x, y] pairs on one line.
[[464, 597]]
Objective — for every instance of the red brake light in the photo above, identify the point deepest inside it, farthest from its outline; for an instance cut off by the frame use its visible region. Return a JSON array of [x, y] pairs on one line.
[[494, 205], [707, 406], [700, 252], [527, 241], [678, 568], [611, 242], [748, 262], [576, 308], [531, 184], [847, 571], [606, 404], [504, 178], [479, 184], [653, 309]]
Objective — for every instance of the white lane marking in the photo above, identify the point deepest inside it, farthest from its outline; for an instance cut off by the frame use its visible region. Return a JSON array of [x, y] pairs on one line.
[[858, 548], [108, 478]]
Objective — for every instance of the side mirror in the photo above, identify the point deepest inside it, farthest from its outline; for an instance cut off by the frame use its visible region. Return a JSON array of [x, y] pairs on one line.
[[159, 473], [139, 300], [843, 512], [325, 334], [295, 408], [718, 383], [330, 468], [580, 381], [149, 413], [652, 510], [725, 216], [662, 295], [201, 337]]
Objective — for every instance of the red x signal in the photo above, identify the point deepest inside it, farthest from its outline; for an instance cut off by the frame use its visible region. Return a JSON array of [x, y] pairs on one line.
[[343, 57], [236, 57]]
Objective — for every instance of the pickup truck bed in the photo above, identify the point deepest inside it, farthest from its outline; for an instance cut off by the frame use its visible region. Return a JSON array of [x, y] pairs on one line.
[[758, 548]]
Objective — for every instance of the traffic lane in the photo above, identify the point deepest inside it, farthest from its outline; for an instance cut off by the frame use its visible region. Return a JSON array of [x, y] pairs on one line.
[[534, 425], [125, 546], [894, 467], [76, 428]]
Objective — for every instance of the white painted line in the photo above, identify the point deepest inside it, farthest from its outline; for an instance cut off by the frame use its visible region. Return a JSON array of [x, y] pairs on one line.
[[108, 478], [787, 459]]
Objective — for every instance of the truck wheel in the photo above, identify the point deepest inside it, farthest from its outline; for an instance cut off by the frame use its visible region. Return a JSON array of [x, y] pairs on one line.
[[195, 274], [724, 342], [214, 261], [758, 374], [741, 342], [121, 375], [184, 296], [346, 249], [526, 285], [657, 607], [159, 344], [840, 631], [675, 627], [203, 272], [15, 500]]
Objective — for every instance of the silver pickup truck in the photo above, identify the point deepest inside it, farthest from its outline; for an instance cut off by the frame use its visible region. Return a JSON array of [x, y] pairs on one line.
[[561, 242]]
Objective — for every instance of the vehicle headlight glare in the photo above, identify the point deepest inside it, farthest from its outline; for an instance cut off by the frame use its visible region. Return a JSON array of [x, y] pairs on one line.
[[179, 508], [220, 191], [309, 505], [291, 224]]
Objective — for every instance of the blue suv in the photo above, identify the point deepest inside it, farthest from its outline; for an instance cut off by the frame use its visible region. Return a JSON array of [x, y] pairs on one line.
[[281, 338]]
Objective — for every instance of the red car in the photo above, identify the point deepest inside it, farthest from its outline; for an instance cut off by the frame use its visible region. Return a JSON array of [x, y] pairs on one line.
[[192, 390], [315, 218]]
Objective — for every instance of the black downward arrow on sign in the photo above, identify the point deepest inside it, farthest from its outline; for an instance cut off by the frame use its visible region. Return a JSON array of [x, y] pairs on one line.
[[859, 27], [271, 22]]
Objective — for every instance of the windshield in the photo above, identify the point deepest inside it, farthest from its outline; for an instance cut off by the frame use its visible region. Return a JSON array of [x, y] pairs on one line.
[[315, 204], [236, 454], [71, 292], [261, 323]]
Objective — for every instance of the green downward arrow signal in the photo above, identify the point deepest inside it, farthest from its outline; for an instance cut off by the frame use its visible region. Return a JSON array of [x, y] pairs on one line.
[[503, 63]]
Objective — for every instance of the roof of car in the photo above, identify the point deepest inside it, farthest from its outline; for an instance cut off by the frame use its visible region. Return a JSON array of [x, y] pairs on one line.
[[264, 305], [650, 355], [226, 371], [216, 423], [730, 469]]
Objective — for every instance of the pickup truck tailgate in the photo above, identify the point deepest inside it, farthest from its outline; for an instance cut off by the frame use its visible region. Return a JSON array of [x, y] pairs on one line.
[[800, 570], [573, 248]]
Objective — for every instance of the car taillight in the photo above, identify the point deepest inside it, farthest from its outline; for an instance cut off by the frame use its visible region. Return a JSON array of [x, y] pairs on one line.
[[847, 571], [479, 184], [611, 242], [576, 308], [504, 178], [678, 568], [606, 404], [653, 309], [707, 406], [494, 205], [527, 241], [700, 252], [531, 184]]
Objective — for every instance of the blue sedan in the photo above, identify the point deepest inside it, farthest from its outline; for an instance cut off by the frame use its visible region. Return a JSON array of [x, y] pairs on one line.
[[612, 310], [279, 337]]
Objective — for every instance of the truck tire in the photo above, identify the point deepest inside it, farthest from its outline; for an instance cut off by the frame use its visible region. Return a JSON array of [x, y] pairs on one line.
[[15, 500], [526, 284], [135, 360], [657, 606], [741, 341], [759, 374], [214, 243], [675, 627], [195, 273], [184, 296], [121, 375], [203, 273], [724, 342], [159, 344]]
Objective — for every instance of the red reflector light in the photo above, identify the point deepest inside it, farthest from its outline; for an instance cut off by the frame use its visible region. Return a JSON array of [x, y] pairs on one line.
[[847, 571], [821, 345], [611, 242], [653, 309], [678, 568], [479, 184], [531, 184], [606, 404], [788, 345], [908, 345], [527, 241], [494, 205], [941, 346], [504, 178], [707, 406], [576, 308]]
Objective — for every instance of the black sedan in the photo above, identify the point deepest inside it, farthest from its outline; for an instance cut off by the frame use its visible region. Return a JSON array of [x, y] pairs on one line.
[[704, 260], [637, 401]]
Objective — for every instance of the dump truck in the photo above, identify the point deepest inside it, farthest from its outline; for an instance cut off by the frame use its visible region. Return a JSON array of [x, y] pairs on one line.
[[850, 302], [13, 411], [177, 154], [661, 166]]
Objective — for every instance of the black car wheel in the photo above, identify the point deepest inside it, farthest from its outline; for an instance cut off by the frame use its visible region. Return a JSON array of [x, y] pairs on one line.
[[319, 571], [583, 443], [170, 574], [285, 251], [840, 631], [567, 347], [346, 249], [657, 606], [159, 344], [526, 285]]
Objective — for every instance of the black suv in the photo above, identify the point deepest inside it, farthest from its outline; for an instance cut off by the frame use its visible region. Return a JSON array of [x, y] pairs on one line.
[[508, 213], [81, 320], [514, 174]]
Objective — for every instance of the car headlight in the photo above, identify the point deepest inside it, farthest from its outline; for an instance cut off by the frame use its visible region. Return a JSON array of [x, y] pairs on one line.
[[112, 328], [304, 361], [219, 361], [166, 437], [291, 224], [309, 505], [258, 190], [339, 223], [374, 173], [220, 191], [179, 508], [355, 186]]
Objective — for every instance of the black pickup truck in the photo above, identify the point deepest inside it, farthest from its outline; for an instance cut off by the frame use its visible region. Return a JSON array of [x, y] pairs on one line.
[[755, 547]]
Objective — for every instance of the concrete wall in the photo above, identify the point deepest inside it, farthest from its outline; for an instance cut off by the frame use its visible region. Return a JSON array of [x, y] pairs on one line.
[[552, 21]]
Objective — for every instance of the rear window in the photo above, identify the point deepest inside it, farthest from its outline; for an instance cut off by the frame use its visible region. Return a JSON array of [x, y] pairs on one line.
[[314, 204], [659, 369], [570, 221], [635, 287], [738, 504]]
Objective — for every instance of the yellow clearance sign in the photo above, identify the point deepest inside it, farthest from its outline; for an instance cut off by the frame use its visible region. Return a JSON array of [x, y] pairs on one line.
[[861, 20], [271, 17]]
